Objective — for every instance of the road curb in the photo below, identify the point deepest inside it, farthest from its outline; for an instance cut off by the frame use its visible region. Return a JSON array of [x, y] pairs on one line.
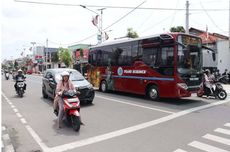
[[7, 145]]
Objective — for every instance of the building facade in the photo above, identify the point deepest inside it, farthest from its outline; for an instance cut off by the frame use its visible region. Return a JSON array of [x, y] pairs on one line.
[[217, 43]]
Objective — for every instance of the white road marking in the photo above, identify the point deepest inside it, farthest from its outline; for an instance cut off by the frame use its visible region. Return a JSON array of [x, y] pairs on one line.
[[124, 131], [19, 115], [31, 131], [15, 110], [179, 150], [23, 120], [206, 147], [136, 105], [12, 106], [223, 131], [37, 139], [217, 139], [227, 125], [117, 133]]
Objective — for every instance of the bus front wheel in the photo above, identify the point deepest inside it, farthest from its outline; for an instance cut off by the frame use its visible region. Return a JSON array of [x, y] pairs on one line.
[[153, 93], [104, 87]]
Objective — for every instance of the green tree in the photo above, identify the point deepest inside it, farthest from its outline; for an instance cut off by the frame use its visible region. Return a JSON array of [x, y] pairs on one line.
[[55, 57], [131, 33], [177, 29], [65, 56], [15, 64]]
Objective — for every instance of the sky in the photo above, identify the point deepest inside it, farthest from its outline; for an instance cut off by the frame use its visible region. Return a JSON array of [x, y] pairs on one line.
[[23, 23]]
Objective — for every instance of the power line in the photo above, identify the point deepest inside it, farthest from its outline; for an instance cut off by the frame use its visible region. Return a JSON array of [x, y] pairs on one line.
[[107, 26], [120, 7], [161, 21], [174, 14], [123, 16], [210, 17]]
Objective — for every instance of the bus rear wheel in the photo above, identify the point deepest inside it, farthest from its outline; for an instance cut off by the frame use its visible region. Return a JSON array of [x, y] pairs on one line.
[[153, 93], [103, 86]]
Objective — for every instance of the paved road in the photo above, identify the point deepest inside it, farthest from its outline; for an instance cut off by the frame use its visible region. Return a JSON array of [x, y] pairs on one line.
[[116, 122]]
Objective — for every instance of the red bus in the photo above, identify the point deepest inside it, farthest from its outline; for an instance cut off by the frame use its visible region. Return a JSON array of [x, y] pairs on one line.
[[166, 65]]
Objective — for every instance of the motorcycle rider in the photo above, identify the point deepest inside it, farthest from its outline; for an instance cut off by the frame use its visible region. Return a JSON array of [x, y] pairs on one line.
[[64, 85], [208, 80], [19, 76]]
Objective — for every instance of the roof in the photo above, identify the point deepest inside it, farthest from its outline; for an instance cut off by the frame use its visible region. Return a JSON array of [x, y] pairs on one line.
[[51, 49], [78, 46], [207, 37], [163, 36]]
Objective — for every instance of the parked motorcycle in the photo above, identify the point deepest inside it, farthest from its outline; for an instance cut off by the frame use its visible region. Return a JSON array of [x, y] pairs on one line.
[[71, 108], [223, 79], [20, 87], [219, 91]]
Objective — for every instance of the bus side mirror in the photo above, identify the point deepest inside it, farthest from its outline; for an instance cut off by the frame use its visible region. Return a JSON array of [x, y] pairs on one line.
[[214, 56]]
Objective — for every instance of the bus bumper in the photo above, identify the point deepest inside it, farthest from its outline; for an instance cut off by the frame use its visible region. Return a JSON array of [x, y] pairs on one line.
[[183, 93], [182, 90]]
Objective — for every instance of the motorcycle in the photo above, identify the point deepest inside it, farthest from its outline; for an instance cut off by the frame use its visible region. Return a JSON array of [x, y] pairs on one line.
[[71, 108], [218, 92], [223, 79], [20, 87], [7, 75]]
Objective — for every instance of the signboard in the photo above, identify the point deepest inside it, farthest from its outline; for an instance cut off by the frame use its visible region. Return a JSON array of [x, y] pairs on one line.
[[85, 54]]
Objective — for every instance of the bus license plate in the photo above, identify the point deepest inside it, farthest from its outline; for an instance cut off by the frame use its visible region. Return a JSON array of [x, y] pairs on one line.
[[193, 79]]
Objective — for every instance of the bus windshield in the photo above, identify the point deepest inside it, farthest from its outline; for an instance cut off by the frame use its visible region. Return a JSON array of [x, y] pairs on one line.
[[189, 55]]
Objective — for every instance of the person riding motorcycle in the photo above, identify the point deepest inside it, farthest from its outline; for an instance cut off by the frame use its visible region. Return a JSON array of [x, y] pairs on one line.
[[208, 80], [64, 85], [19, 76]]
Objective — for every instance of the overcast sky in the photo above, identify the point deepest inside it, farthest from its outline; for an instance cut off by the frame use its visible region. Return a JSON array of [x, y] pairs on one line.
[[22, 23]]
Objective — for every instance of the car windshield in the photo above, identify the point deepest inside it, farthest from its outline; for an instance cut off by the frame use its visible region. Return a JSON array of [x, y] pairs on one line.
[[74, 76]]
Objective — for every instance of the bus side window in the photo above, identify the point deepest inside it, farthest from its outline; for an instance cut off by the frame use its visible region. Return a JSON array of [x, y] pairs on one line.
[[99, 58], [134, 51], [166, 61], [125, 56], [92, 57]]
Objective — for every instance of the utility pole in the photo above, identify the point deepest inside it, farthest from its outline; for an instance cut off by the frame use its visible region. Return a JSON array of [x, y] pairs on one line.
[[100, 26], [187, 18], [46, 53]]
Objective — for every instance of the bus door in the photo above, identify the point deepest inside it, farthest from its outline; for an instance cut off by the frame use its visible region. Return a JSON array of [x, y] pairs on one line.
[[122, 60]]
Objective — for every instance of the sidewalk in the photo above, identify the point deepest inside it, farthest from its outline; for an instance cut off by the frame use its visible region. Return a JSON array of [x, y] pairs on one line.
[[6, 141]]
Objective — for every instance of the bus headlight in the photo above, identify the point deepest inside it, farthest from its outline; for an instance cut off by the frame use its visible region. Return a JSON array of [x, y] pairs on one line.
[[182, 85]]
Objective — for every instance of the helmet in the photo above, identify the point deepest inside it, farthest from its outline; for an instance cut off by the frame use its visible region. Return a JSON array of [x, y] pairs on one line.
[[207, 71], [65, 73], [20, 70]]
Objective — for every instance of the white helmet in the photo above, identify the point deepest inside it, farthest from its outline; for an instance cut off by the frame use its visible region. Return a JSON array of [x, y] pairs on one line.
[[65, 73], [20, 70]]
